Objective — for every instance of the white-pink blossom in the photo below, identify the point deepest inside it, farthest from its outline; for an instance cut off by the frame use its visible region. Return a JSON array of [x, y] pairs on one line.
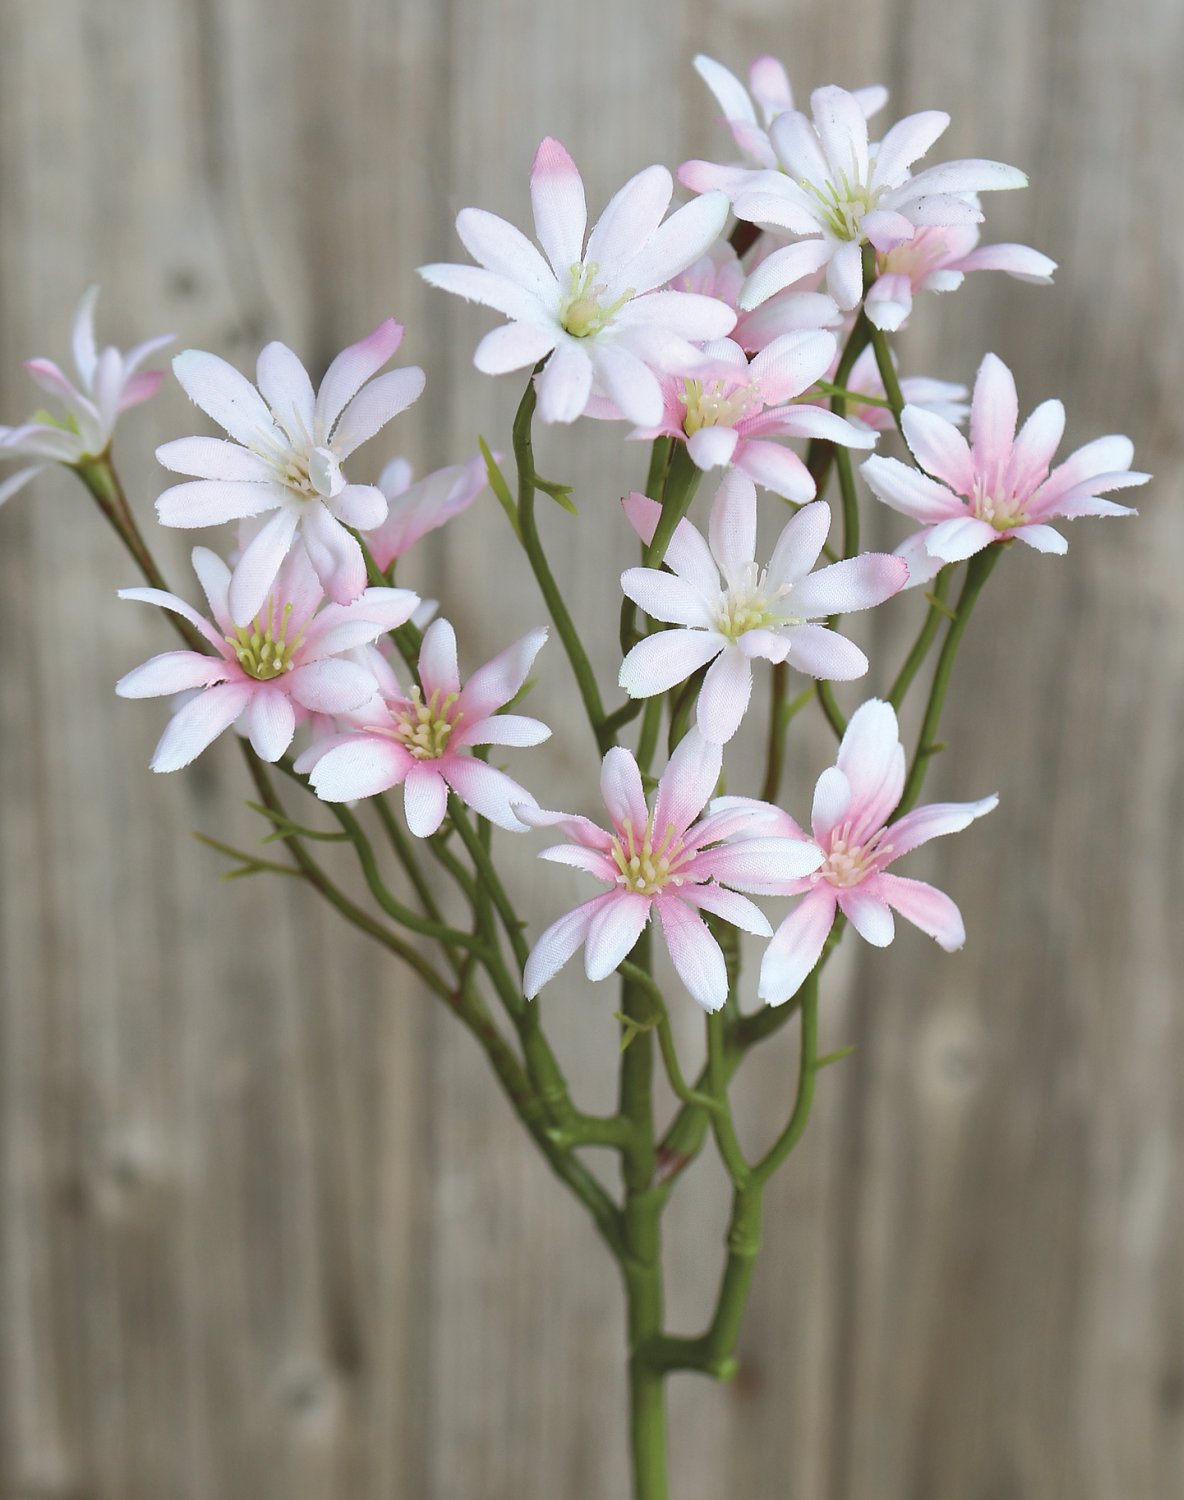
[[997, 486], [728, 612], [837, 192], [662, 863], [597, 312], [267, 676], [415, 507], [937, 259], [749, 113], [730, 411], [853, 803], [108, 383], [285, 459], [422, 739]]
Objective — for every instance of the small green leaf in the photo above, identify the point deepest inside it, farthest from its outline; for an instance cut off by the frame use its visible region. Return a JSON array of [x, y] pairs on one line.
[[497, 483], [832, 1057], [941, 606]]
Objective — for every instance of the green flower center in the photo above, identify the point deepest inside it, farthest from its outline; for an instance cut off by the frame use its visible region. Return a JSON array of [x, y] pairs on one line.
[[647, 867], [749, 604], [262, 649], [714, 405], [425, 728], [843, 204], [582, 313]]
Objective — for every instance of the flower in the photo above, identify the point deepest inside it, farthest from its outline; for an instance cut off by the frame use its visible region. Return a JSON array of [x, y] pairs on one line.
[[662, 862], [594, 311], [998, 486], [841, 192], [729, 612], [108, 383], [728, 411], [853, 803], [936, 260], [286, 459], [267, 676], [414, 509], [941, 397], [421, 739], [749, 113]]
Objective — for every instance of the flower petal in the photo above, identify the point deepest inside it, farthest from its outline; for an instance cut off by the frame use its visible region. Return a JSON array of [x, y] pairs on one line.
[[934, 821], [564, 384], [925, 907], [687, 783], [560, 211], [621, 788], [492, 686], [211, 502], [335, 554], [350, 370], [613, 932], [628, 383], [729, 906], [374, 406], [438, 670], [361, 766], [198, 723], [819, 652], [256, 570], [214, 458], [425, 799], [630, 219], [489, 792], [285, 386], [994, 411], [558, 943], [800, 545], [724, 696], [910, 492], [688, 233], [852, 584], [764, 865], [687, 553], [939, 448], [666, 597], [832, 800], [668, 657], [697, 957], [227, 396], [172, 672], [331, 686], [797, 946], [513, 346], [270, 722], [713, 447], [779, 470], [505, 250], [868, 914], [871, 757]]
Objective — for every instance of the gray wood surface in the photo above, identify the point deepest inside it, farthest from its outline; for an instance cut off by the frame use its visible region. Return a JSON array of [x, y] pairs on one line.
[[267, 1228]]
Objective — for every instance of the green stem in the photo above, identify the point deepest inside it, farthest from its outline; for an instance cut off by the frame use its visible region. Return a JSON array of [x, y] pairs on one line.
[[781, 715], [978, 570], [807, 1074], [888, 373], [721, 1118], [552, 595], [487, 876], [682, 481], [651, 729], [913, 662]]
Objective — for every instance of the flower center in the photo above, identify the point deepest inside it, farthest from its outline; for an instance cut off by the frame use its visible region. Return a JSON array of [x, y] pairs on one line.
[[312, 473], [848, 863], [264, 652], [715, 405], [582, 314], [647, 867], [749, 604], [424, 729], [843, 204], [1000, 511]]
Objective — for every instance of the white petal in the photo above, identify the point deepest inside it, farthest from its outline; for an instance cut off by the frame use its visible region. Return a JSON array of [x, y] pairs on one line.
[[666, 597], [564, 384], [613, 933], [631, 218], [374, 406], [660, 661], [697, 957], [254, 574], [560, 212], [723, 698], [797, 946], [227, 396], [214, 458]]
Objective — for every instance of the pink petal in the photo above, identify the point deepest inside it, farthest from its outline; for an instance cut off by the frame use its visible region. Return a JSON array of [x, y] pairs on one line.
[[868, 914], [697, 957], [777, 469], [570, 825], [666, 597], [285, 386], [493, 685], [1019, 261], [994, 411], [560, 212], [922, 567], [960, 538], [489, 792], [1038, 440], [832, 802], [687, 553], [765, 864], [335, 554], [824, 653], [925, 907], [939, 448], [270, 722], [909, 491], [513, 346], [792, 363], [844, 275], [330, 687], [613, 931], [1104, 455], [362, 506], [668, 657], [374, 406], [658, 325], [813, 422], [621, 789], [855, 583], [934, 821], [797, 946], [214, 458], [500, 729], [800, 545], [687, 783], [889, 302], [425, 799], [558, 942], [727, 905], [211, 502], [360, 766], [872, 759], [730, 816], [227, 396], [712, 447], [505, 250], [631, 218], [730, 93], [564, 384], [255, 572], [344, 627], [438, 670], [172, 672], [82, 334], [351, 369], [591, 861], [955, 178], [724, 696], [886, 230], [198, 723], [842, 131]]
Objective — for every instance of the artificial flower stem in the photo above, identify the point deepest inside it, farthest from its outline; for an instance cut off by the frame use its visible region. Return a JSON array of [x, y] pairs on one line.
[[978, 570], [552, 596], [651, 729], [830, 707], [659, 1022], [781, 715], [721, 1118], [488, 877], [888, 373], [807, 1075], [682, 480], [926, 636]]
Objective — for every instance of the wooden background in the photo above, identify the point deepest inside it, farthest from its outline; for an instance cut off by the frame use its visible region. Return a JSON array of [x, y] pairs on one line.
[[268, 1229]]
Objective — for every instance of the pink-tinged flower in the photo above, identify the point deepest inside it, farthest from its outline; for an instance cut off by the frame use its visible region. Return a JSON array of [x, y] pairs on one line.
[[422, 739], [285, 460], [937, 260], [731, 409], [941, 397], [414, 509], [597, 309], [729, 612], [108, 383], [267, 676], [721, 273], [853, 802], [998, 485], [749, 114], [666, 863], [842, 193]]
